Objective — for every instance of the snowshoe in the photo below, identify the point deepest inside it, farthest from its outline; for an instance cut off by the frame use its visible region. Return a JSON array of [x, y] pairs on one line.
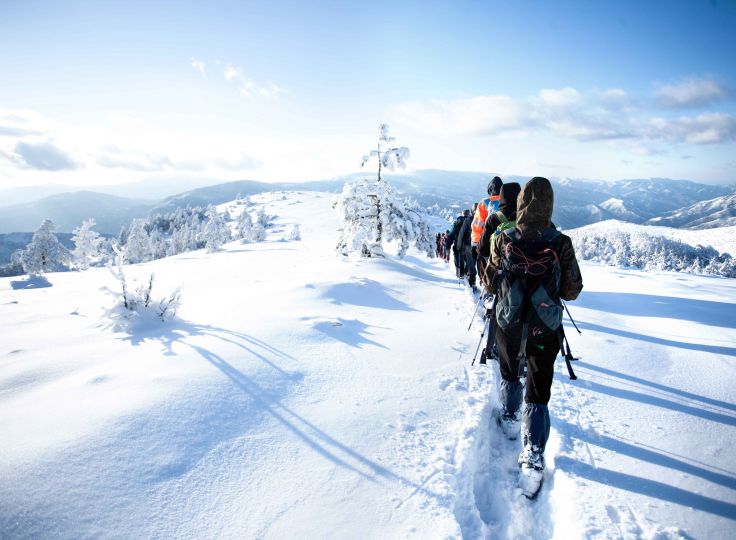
[[509, 423], [530, 481], [531, 471]]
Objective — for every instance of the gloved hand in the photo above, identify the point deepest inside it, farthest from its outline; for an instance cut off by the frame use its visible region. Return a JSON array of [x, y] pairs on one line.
[[495, 280]]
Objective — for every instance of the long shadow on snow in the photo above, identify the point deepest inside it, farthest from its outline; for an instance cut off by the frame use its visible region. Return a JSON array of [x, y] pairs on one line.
[[31, 282], [722, 314], [660, 402], [269, 401], [715, 349], [642, 453], [650, 488], [349, 331], [657, 386], [364, 292], [416, 273]]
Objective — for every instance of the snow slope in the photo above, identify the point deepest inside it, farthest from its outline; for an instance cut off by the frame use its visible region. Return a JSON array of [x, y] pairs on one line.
[[718, 212], [722, 239], [301, 396]]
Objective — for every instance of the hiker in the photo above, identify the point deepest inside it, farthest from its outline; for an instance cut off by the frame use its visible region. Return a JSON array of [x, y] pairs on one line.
[[504, 217], [445, 249], [531, 268], [438, 245], [480, 215], [454, 233], [466, 248]]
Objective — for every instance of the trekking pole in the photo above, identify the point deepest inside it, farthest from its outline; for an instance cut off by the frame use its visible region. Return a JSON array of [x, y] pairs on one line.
[[568, 356], [482, 335], [571, 319], [480, 299], [491, 329]]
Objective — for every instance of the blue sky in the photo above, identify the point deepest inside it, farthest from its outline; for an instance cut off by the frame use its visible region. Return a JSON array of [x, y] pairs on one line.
[[119, 91]]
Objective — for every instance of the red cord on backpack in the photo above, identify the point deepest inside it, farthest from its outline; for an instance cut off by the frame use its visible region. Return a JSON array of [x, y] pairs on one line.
[[528, 264]]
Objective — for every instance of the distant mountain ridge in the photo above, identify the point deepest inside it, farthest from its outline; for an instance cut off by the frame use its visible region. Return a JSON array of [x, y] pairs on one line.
[[68, 210], [718, 212], [577, 202]]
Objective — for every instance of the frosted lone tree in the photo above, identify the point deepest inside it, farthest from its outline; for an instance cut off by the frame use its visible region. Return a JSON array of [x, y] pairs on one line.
[[87, 244], [45, 253], [372, 212], [215, 231]]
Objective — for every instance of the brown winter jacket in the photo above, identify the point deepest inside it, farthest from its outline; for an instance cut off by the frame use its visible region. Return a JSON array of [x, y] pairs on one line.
[[534, 214]]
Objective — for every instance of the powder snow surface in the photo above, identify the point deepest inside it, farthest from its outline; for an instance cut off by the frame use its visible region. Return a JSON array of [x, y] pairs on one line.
[[302, 396]]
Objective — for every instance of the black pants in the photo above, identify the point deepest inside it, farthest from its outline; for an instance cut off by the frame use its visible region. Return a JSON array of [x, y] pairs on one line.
[[469, 263], [459, 262], [541, 356]]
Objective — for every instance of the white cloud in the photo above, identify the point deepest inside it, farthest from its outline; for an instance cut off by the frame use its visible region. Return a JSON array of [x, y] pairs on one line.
[[692, 92], [231, 73], [568, 113], [711, 128], [42, 156], [251, 89], [199, 65], [481, 115], [562, 97], [248, 87]]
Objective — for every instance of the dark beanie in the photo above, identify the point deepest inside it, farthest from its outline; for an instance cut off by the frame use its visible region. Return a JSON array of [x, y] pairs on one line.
[[507, 200], [494, 186]]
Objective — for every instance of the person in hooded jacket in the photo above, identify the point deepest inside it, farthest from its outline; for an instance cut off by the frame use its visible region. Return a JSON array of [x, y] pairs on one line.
[[533, 217], [506, 214], [466, 249]]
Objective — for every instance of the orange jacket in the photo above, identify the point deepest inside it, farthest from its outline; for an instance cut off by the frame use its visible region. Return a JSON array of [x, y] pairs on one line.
[[481, 214]]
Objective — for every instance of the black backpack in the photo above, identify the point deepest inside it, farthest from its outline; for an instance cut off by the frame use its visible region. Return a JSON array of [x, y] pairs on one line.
[[529, 288]]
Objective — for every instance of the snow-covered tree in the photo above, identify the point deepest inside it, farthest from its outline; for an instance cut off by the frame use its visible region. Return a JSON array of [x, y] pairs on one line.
[[386, 154], [215, 231], [294, 233], [158, 244], [87, 244], [262, 218], [257, 233], [244, 226], [45, 253], [372, 212], [138, 245]]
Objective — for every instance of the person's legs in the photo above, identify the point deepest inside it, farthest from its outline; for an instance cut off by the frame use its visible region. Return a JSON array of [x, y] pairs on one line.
[[510, 389], [535, 424], [470, 265]]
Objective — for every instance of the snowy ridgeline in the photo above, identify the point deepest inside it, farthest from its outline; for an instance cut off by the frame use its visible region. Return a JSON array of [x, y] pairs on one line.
[[657, 248]]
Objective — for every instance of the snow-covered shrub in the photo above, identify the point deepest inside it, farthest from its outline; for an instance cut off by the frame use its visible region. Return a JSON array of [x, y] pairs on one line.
[[631, 248], [294, 233], [215, 231], [14, 267], [371, 211], [45, 253], [87, 244], [135, 306]]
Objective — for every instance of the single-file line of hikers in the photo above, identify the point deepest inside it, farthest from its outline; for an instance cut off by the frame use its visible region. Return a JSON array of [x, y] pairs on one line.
[[527, 269]]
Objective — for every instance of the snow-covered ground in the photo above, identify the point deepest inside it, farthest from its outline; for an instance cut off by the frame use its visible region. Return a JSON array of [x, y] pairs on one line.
[[301, 396]]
